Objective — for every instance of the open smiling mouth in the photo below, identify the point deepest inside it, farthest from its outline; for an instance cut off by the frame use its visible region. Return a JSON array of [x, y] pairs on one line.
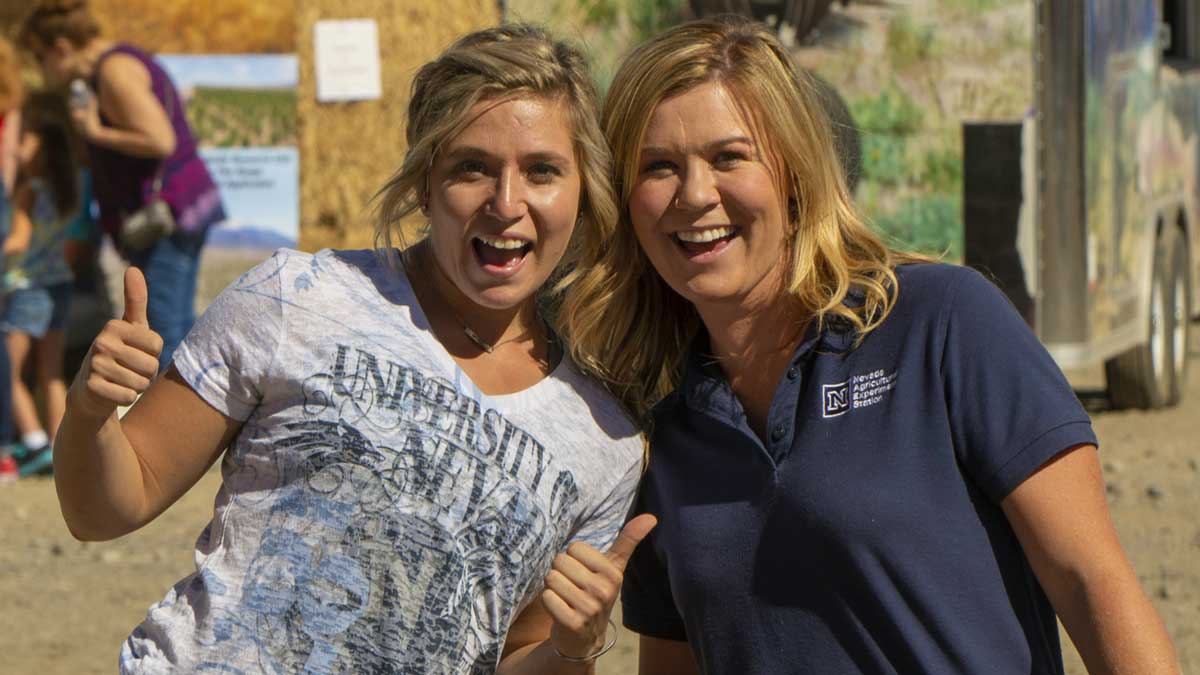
[[707, 240], [504, 253]]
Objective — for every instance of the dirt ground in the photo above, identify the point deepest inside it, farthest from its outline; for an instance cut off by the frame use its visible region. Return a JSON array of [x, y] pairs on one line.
[[66, 606]]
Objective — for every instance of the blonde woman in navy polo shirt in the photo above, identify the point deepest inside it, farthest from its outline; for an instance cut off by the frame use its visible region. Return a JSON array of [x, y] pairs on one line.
[[861, 462]]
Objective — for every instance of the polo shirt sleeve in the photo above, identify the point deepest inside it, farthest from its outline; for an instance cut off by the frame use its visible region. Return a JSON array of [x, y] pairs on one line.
[[647, 606], [1010, 407]]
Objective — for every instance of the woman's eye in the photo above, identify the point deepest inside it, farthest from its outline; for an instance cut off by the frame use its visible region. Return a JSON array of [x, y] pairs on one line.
[[542, 173], [728, 159], [470, 166], [659, 166]]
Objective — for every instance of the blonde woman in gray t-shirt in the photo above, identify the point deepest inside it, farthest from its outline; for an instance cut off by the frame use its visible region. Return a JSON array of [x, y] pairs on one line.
[[415, 478]]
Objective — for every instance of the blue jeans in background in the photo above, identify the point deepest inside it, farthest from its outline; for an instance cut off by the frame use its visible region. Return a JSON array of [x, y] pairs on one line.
[[171, 268]]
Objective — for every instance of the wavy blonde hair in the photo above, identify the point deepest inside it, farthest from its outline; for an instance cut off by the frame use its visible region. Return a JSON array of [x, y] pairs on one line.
[[503, 62], [625, 324]]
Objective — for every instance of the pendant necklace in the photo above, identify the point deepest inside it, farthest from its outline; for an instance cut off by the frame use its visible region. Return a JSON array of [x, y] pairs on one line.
[[479, 342], [484, 345]]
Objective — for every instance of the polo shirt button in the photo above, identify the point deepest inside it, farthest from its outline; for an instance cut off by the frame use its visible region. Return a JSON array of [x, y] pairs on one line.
[[793, 373], [777, 434]]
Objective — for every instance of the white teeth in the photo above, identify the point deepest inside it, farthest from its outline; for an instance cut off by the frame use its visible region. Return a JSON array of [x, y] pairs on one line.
[[705, 235], [503, 243]]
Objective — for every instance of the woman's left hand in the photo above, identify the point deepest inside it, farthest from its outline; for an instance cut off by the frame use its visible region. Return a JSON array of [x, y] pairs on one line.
[[583, 586], [86, 118]]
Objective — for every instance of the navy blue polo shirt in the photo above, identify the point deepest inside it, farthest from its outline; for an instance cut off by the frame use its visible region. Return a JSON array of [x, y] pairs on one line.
[[866, 534]]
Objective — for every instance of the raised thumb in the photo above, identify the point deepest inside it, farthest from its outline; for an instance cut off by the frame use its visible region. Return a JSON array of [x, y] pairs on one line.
[[631, 535], [135, 297]]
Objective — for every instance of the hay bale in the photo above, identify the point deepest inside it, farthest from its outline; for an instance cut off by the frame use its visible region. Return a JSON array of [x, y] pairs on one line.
[[188, 26], [201, 26], [10, 16], [348, 150]]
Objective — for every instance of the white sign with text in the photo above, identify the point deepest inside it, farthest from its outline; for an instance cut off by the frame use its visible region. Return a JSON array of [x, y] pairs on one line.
[[347, 59]]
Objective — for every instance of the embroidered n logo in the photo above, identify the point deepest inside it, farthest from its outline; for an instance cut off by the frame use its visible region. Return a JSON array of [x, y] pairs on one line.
[[835, 399]]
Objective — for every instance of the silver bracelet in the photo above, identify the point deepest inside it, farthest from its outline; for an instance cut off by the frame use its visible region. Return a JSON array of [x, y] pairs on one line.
[[608, 644]]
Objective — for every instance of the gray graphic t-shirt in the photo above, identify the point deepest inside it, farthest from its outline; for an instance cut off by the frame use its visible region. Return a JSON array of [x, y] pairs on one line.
[[378, 513]]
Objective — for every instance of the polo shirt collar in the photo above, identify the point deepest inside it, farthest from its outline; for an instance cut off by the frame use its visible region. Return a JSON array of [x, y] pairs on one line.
[[706, 389]]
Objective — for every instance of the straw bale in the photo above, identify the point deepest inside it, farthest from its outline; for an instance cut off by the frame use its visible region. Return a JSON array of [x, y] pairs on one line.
[[11, 12], [348, 149], [202, 26], [188, 26]]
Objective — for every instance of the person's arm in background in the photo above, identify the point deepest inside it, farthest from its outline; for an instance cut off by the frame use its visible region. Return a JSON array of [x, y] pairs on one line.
[[138, 124], [1062, 520], [21, 228], [115, 475], [10, 139]]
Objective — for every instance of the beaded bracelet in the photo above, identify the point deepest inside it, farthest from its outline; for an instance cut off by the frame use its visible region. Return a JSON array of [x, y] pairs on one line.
[[608, 644]]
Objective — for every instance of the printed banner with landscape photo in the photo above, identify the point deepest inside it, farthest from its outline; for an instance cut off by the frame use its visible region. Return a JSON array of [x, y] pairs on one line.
[[243, 111]]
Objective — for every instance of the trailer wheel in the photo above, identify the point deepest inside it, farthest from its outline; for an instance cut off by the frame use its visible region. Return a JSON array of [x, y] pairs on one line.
[[1144, 376], [1181, 314]]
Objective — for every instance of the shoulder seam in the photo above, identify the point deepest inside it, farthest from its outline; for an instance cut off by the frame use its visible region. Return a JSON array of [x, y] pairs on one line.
[[944, 315]]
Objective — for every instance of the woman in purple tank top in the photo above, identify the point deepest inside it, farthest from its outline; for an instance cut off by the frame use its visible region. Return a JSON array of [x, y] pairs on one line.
[[136, 131]]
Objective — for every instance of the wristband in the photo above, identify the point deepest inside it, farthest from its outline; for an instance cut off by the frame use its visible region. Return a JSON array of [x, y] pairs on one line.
[[608, 644]]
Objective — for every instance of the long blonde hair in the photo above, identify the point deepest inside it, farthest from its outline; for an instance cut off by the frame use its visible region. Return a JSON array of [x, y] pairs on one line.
[[506, 61], [627, 326]]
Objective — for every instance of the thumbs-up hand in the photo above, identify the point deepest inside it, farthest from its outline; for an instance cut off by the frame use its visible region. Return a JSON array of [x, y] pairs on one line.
[[583, 586], [137, 296], [122, 361]]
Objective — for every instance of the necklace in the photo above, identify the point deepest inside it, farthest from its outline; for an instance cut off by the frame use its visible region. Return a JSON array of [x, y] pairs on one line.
[[484, 345], [479, 342]]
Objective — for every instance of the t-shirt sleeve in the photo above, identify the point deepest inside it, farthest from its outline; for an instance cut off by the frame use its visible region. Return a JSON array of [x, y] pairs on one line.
[[647, 606], [1011, 409], [228, 356], [601, 527]]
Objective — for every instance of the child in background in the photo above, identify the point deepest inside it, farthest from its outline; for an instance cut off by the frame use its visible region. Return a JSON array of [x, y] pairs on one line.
[[11, 97], [38, 280]]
